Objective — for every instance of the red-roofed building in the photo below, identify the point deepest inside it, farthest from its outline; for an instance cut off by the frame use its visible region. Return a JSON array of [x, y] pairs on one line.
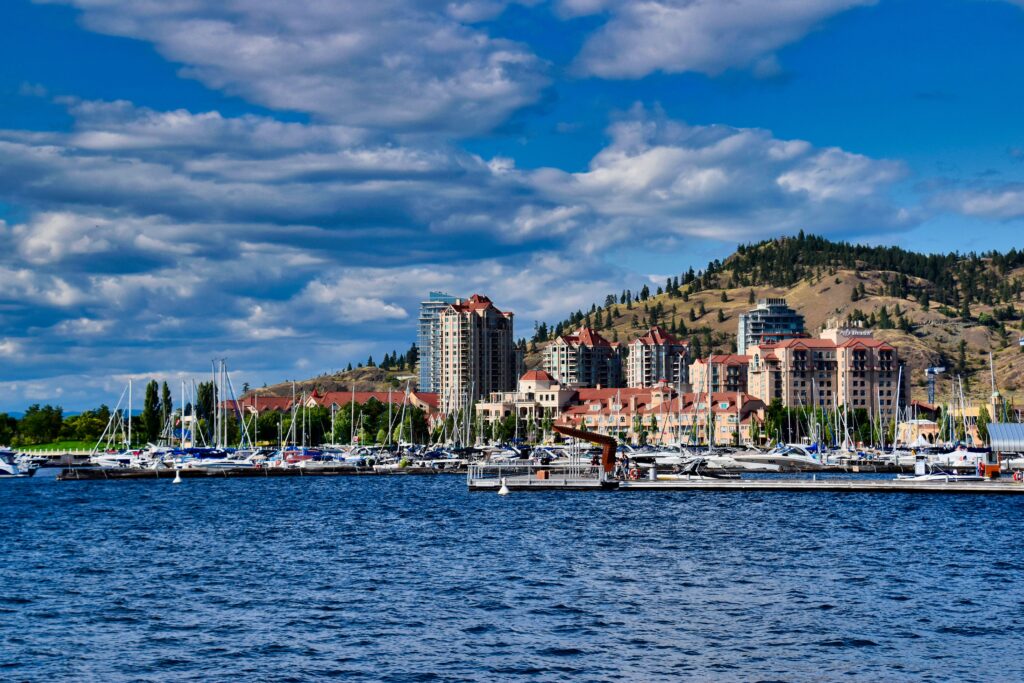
[[538, 395], [657, 357], [720, 372], [660, 415], [340, 399], [584, 359], [656, 412], [477, 352], [256, 404], [841, 368]]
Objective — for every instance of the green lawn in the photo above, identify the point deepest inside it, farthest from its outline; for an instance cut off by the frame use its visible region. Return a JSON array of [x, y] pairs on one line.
[[60, 446]]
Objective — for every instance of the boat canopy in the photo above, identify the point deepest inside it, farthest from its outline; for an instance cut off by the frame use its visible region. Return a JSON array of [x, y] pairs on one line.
[[1006, 437]]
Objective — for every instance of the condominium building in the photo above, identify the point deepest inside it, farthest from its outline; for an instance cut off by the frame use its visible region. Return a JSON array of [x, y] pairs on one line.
[[771, 321], [584, 359], [720, 372], [656, 357], [857, 371], [661, 415], [478, 356], [428, 340]]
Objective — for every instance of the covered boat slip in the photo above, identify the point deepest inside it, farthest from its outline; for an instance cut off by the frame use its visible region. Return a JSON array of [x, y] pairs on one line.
[[1006, 437]]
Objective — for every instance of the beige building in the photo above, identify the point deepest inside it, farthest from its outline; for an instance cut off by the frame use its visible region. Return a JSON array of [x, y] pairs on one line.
[[656, 357], [842, 367], [722, 372], [660, 415], [477, 352], [585, 359], [537, 395]]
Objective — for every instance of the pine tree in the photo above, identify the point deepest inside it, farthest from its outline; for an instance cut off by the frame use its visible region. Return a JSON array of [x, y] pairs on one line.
[[167, 403], [751, 299], [983, 419], [150, 417]]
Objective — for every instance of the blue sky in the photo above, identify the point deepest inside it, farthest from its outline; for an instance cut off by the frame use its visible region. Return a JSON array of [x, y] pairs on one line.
[[279, 183]]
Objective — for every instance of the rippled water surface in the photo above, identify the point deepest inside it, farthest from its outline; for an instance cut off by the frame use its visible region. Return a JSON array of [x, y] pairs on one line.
[[415, 579]]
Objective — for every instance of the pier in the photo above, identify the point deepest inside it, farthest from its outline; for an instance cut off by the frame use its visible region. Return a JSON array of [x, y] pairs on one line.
[[527, 478], [121, 474]]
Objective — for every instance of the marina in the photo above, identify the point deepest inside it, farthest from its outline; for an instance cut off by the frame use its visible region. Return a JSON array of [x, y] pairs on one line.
[[393, 578]]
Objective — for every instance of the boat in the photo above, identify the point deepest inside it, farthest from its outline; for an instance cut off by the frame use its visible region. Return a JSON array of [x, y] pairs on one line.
[[924, 470], [9, 466], [696, 468], [788, 457]]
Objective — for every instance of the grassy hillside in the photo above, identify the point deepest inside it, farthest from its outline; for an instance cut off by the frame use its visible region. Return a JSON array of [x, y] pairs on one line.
[[936, 300], [361, 379]]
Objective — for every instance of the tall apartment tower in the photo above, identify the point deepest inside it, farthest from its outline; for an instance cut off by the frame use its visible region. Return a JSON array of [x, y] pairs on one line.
[[771, 321], [584, 359], [656, 357], [428, 340], [477, 352]]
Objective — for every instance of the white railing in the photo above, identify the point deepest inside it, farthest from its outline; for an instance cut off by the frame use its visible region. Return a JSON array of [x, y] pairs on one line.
[[493, 471]]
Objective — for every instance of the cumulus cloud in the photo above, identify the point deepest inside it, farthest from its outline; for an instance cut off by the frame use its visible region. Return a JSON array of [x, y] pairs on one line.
[[706, 36], [659, 178], [387, 64], [164, 239]]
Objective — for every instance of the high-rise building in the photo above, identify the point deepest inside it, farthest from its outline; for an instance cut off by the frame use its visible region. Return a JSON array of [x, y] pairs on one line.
[[584, 359], [477, 352], [842, 368], [428, 340], [656, 357], [771, 321], [720, 372]]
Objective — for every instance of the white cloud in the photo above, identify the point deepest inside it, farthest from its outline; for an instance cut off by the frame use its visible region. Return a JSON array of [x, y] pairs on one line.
[[386, 64], [266, 240], [707, 36], [10, 348], [661, 178], [996, 201]]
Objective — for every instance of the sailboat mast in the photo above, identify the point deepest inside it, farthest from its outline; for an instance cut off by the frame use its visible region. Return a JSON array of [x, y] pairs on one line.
[[129, 414]]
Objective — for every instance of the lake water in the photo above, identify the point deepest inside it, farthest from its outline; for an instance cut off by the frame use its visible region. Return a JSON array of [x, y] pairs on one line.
[[416, 579]]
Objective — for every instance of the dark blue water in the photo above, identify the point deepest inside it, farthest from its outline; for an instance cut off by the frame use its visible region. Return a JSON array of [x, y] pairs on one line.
[[415, 579]]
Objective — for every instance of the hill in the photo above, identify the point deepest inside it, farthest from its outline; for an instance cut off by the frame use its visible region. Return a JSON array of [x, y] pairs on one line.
[[359, 379], [949, 309]]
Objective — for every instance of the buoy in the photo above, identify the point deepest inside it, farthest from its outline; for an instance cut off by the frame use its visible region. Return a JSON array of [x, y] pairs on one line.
[[503, 491], [177, 475]]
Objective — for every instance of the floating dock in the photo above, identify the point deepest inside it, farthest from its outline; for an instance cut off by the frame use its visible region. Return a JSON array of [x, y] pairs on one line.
[[832, 484], [840, 485], [118, 474]]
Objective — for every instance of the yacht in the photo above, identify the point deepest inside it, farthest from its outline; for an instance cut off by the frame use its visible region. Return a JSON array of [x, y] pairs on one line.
[[788, 457], [9, 466]]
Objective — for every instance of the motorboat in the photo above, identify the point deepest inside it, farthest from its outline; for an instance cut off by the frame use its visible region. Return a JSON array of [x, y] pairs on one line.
[[696, 468], [9, 466], [788, 457], [924, 470]]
